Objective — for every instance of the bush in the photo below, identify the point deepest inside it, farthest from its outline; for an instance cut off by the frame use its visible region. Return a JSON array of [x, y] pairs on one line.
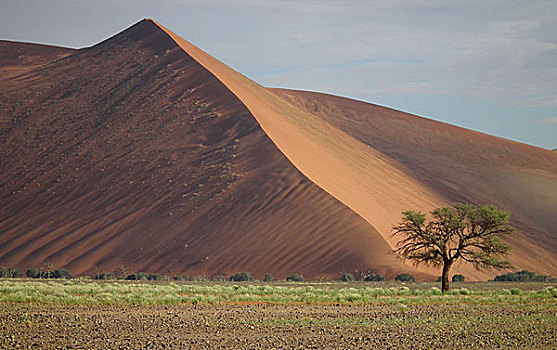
[[32, 273], [458, 278], [269, 278], [12, 272], [137, 276], [347, 277], [15, 272], [521, 276], [61, 273], [45, 274], [155, 277], [219, 278], [295, 278], [242, 276], [104, 276], [404, 277], [374, 277]]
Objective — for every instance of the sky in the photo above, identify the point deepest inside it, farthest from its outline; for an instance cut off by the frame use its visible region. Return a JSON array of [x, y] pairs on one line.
[[488, 65]]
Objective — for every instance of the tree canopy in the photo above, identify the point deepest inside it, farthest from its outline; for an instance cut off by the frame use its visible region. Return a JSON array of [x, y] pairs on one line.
[[464, 231]]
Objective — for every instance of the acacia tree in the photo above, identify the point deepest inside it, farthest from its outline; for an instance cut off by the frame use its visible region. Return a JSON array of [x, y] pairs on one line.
[[463, 231]]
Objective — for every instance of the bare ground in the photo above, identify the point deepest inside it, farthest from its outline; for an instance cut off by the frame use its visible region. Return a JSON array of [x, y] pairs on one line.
[[256, 326]]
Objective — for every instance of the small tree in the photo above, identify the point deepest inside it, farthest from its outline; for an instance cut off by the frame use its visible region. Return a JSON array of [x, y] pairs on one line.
[[242, 276], [269, 278], [137, 276], [32, 273], [45, 269], [347, 277], [104, 276], [61, 273], [404, 277], [295, 278], [122, 271], [464, 231], [458, 278], [375, 277]]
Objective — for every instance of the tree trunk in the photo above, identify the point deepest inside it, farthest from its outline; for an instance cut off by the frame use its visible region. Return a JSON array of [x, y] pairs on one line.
[[445, 277]]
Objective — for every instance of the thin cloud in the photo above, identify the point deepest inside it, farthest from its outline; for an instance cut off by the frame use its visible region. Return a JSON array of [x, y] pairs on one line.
[[552, 120]]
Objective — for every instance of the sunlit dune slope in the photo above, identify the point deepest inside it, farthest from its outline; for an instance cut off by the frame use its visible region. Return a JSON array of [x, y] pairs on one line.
[[460, 165], [132, 153]]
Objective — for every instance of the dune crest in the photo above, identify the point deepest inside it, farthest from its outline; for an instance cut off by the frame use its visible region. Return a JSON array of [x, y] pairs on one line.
[[366, 181]]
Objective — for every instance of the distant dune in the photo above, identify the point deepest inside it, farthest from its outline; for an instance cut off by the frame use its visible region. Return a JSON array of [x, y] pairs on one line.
[[147, 152]]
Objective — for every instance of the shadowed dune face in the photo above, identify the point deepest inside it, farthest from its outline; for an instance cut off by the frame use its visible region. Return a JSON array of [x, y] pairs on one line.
[[17, 58], [145, 151], [130, 152]]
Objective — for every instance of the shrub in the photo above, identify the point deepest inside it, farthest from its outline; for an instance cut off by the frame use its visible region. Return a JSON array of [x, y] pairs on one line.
[[15, 272], [58, 273], [347, 277], [61, 273], [521, 276], [464, 291], [45, 274], [269, 278], [295, 278], [137, 276], [374, 277], [155, 277], [551, 291], [219, 278], [458, 278], [12, 272], [32, 273], [104, 276], [242, 276], [404, 277], [540, 278]]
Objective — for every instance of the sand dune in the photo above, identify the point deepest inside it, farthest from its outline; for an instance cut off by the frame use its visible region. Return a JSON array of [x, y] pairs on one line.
[[146, 159], [17, 58], [147, 152]]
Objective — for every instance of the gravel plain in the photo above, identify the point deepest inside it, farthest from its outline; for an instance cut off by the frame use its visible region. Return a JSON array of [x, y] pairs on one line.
[[267, 326]]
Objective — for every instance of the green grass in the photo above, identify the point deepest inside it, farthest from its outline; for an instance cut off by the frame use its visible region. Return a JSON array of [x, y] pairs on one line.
[[124, 293]]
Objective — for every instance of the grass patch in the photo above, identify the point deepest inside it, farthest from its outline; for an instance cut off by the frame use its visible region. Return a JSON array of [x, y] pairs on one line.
[[99, 293]]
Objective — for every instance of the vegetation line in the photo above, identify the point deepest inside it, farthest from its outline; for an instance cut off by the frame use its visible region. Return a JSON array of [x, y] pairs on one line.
[[125, 293]]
